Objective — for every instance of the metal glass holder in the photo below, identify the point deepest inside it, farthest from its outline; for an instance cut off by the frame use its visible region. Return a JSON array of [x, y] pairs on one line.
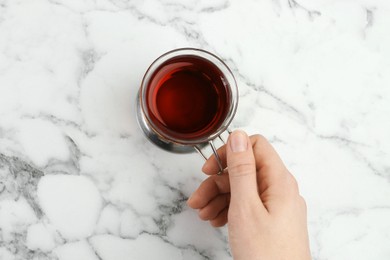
[[163, 138]]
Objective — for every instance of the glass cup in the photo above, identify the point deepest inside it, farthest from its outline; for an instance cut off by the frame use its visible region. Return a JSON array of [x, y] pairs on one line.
[[205, 77]]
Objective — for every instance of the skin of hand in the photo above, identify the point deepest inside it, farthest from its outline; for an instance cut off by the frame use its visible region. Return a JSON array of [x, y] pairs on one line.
[[258, 198]]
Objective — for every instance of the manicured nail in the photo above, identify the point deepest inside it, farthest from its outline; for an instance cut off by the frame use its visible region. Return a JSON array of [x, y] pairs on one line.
[[238, 141]]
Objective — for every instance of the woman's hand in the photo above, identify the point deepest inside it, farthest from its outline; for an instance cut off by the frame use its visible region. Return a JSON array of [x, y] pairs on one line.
[[258, 198]]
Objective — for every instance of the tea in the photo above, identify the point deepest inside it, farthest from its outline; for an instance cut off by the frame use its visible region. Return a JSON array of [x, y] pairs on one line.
[[187, 97]]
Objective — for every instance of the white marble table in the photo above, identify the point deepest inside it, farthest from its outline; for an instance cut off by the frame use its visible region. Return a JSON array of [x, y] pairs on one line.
[[79, 181]]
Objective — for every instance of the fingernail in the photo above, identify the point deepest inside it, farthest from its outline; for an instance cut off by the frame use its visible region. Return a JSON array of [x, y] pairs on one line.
[[238, 141]]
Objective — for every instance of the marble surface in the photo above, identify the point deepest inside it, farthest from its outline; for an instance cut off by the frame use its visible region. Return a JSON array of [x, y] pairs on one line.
[[79, 181]]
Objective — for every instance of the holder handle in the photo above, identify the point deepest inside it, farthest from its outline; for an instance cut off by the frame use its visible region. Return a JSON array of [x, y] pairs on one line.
[[214, 149]]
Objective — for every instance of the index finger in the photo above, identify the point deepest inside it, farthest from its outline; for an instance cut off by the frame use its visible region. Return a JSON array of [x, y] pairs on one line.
[[209, 189]]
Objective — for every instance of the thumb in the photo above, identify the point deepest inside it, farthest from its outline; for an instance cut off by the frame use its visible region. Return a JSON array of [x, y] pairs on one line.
[[241, 167]]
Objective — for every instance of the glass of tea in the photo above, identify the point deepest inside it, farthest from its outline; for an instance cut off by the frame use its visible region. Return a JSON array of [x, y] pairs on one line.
[[187, 99]]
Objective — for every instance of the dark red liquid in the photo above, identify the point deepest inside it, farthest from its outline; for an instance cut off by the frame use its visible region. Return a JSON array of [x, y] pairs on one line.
[[187, 97]]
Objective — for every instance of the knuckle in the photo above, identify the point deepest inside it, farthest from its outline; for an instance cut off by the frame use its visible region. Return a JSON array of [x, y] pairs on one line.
[[302, 202], [258, 138], [214, 223], [202, 215], [292, 183], [217, 222], [288, 187]]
